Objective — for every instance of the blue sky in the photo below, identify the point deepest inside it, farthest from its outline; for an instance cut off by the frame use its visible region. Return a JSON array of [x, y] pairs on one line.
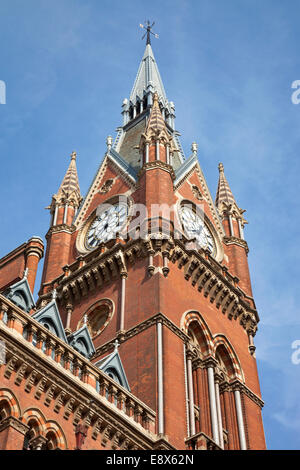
[[228, 66]]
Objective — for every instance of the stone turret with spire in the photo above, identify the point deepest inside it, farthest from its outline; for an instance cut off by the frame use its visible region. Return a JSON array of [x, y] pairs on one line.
[[68, 198], [233, 223], [231, 213], [63, 209]]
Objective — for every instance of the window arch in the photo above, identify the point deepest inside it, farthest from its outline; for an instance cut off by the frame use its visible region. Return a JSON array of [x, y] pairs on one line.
[[196, 328], [113, 374], [227, 358], [9, 405]]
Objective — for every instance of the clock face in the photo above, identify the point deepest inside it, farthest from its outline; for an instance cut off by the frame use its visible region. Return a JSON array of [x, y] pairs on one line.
[[106, 225], [195, 228]]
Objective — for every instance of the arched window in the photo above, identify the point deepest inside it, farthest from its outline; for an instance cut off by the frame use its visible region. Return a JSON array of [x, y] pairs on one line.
[[5, 410], [52, 443], [113, 374]]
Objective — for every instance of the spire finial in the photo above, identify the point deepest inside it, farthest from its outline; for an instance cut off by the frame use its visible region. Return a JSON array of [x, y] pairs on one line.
[[73, 155], [194, 148], [148, 28], [221, 167], [116, 345]]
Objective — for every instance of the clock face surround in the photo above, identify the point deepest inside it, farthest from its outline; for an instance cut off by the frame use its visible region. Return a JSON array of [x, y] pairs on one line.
[[106, 224], [195, 228]]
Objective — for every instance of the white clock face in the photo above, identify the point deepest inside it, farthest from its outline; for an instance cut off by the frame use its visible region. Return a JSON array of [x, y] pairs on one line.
[[106, 225], [195, 228]]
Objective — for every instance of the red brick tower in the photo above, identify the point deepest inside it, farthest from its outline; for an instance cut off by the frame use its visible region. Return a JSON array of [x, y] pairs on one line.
[[169, 269], [142, 336]]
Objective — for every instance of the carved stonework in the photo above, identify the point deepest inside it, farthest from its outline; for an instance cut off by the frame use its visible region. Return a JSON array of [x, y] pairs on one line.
[[14, 423], [197, 193], [107, 185]]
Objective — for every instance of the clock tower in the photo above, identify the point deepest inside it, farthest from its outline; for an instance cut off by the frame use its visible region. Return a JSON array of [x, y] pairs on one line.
[[157, 269]]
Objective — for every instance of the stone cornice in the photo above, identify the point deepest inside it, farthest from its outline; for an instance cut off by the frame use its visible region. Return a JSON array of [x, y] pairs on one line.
[[157, 164], [60, 228], [207, 275], [237, 385], [236, 241]]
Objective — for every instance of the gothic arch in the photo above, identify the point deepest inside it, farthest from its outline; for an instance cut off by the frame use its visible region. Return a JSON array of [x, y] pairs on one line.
[[8, 399], [36, 420], [223, 347], [41, 427], [194, 320], [53, 429]]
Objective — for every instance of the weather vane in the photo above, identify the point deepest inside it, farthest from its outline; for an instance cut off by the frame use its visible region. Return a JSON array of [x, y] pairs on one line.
[[148, 28]]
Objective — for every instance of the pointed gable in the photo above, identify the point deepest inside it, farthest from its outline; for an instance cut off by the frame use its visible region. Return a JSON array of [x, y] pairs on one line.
[[82, 342], [112, 366], [20, 294], [49, 317]]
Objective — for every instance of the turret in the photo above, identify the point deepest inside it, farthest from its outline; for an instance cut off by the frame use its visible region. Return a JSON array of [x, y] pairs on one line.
[[62, 209], [233, 223]]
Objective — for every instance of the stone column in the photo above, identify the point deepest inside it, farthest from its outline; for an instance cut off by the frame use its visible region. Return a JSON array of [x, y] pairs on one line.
[[160, 378], [213, 404], [123, 293], [69, 315], [157, 157], [240, 419], [191, 392], [219, 414]]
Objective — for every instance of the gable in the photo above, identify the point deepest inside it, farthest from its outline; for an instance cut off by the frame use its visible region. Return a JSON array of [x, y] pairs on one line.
[[82, 342], [190, 183], [49, 317], [114, 176], [20, 294], [112, 366]]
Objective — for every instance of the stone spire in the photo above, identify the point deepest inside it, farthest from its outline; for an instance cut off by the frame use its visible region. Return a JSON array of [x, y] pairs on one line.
[[148, 78], [156, 122], [224, 194], [69, 191], [228, 208]]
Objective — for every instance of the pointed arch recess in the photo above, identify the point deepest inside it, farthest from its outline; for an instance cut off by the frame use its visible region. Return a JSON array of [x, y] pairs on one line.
[[8, 397], [44, 427], [229, 356], [202, 332]]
